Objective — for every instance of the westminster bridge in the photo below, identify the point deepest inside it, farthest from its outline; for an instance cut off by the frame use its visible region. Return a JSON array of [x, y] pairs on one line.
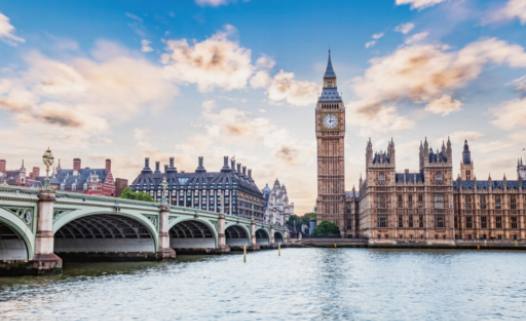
[[39, 227]]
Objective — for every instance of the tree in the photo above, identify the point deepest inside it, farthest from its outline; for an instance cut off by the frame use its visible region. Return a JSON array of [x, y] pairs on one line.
[[127, 193], [326, 228]]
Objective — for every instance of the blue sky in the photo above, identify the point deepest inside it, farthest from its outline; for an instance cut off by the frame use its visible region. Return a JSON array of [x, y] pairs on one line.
[[129, 79]]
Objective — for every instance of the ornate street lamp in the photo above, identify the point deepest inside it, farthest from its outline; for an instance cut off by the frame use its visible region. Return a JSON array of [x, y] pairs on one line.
[[164, 190], [48, 160]]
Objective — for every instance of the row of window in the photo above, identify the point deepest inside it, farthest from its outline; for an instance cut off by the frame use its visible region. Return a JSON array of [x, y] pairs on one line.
[[498, 201], [439, 221], [484, 223]]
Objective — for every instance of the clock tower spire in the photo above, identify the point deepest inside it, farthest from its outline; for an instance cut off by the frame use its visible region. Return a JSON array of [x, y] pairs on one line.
[[330, 135]]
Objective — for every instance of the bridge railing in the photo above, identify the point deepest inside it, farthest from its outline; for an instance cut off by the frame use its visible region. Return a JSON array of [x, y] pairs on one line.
[[31, 194]]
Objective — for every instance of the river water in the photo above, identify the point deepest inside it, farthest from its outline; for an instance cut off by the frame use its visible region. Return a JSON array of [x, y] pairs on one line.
[[301, 284]]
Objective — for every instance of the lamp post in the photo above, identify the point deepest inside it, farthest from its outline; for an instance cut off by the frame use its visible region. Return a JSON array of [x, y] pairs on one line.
[[164, 190], [48, 160]]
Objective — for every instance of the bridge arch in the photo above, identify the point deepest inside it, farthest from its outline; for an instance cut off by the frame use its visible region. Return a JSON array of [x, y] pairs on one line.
[[278, 238], [237, 235], [190, 234], [99, 232], [262, 237], [16, 239]]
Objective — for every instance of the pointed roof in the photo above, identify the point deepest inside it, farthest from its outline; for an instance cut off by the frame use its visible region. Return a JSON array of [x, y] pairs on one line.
[[329, 71]]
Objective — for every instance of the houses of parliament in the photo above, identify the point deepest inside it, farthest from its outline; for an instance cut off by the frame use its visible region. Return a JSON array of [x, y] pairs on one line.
[[427, 206]]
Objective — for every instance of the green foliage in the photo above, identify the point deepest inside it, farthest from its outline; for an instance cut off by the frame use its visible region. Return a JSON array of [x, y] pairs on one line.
[[127, 193], [326, 228]]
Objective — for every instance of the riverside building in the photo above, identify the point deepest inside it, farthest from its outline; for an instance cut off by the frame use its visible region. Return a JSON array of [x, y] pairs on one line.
[[231, 190]]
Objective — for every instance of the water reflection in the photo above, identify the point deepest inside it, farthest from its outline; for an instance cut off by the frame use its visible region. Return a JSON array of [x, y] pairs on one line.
[[302, 284]]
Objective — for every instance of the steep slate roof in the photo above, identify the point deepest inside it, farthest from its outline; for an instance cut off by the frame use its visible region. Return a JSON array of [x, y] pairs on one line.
[[485, 185], [68, 179], [199, 179]]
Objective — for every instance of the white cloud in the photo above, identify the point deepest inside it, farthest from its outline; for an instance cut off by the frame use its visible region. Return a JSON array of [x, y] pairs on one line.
[[419, 4], [212, 3], [520, 84], [84, 94], [261, 79], [146, 46], [510, 115], [374, 40], [416, 38], [513, 9], [7, 31], [421, 74], [378, 118], [284, 87], [405, 28], [216, 62], [444, 105]]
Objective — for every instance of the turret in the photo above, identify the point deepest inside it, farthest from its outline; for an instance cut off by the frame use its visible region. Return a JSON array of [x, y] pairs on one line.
[[466, 166], [368, 153]]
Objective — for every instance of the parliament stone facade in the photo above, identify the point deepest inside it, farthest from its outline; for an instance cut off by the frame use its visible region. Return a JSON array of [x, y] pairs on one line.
[[428, 206]]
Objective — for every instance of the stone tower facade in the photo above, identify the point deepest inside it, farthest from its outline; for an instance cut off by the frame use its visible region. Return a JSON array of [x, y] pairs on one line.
[[330, 134], [408, 206]]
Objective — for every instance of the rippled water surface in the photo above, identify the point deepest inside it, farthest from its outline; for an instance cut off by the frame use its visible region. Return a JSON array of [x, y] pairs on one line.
[[301, 284]]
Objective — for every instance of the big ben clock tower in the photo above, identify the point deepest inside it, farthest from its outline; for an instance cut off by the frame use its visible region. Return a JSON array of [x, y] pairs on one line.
[[330, 134]]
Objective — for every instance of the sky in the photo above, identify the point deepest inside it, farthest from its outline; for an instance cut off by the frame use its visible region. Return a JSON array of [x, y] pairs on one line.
[[132, 79]]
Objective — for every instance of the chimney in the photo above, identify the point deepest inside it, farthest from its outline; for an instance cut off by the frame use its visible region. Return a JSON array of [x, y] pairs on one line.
[[108, 165], [157, 166], [238, 168], [200, 166], [2, 165], [250, 173], [172, 162], [225, 164], [166, 168], [76, 164], [35, 172], [233, 164], [244, 171]]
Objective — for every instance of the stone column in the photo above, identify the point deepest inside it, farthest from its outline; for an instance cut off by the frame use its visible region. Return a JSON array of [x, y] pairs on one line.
[[45, 260], [164, 251], [286, 237], [221, 237], [253, 240], [271, 239]]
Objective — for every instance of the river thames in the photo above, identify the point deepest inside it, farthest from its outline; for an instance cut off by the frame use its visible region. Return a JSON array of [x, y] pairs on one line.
[[301, 284]]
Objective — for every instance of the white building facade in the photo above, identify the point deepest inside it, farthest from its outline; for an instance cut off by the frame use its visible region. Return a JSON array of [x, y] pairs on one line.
[[278, 208]]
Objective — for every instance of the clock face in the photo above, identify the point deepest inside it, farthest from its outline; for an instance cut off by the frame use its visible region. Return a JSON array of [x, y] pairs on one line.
[[330, 121]]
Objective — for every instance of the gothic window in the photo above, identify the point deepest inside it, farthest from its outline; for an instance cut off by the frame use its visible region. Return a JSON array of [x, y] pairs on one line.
[[421, 221], [410, 221], [400, 201], [469, 221], [381, 178], [381, 201], [498, 222], [440, 221], [400, 221], [382, 221], [468, 202], [438, 201], [410, 201], [514, 224], [483, 202], [439, 177], [483, 222], [498, 204], [513, 202]]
